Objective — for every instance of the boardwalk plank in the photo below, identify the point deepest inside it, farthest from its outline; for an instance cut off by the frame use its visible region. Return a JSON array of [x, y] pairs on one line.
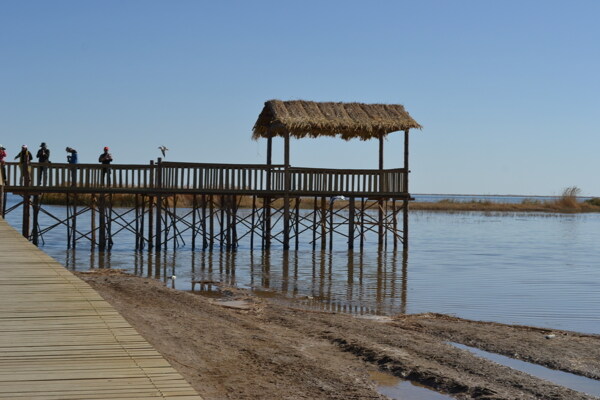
[[60, 340]]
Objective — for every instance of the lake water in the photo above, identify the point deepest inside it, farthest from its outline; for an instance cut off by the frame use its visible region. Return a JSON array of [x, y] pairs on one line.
[[533, 269]]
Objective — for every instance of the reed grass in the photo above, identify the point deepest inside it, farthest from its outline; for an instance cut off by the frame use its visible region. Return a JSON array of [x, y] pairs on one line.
[[568, 202]]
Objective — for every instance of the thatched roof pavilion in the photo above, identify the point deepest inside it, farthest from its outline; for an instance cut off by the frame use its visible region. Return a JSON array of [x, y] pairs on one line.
[[300, 119]]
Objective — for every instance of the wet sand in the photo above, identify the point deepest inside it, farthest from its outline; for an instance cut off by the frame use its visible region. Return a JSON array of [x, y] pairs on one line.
[[255, 348]]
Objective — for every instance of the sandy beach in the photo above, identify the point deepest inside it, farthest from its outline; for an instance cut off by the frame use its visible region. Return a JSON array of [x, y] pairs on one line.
[[239, 346]]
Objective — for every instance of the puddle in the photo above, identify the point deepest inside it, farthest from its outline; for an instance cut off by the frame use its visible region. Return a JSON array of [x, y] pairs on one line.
[[572, 381], [399, 389]]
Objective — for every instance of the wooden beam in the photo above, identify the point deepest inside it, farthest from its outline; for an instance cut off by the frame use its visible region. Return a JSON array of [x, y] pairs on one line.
[[286, 195]]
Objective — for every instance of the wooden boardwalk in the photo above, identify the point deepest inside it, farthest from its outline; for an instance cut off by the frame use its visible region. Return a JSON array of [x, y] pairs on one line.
[[60, 340]]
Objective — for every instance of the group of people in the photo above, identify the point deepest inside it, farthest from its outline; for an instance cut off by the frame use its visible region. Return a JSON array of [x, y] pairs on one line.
[[43, 155]]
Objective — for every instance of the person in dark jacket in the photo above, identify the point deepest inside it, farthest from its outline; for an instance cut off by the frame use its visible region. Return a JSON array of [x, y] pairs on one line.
[[105, 158], [43, 156], [25, 158], [72, 159], [72, 156]]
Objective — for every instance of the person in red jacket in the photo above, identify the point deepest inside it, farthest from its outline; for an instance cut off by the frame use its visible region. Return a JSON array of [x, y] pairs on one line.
[[2, 167]]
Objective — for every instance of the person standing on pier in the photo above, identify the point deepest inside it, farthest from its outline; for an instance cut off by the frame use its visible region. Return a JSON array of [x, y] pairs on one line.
[[72, 159], [25, 158], [43, 156], [2, 167], [105, 158]]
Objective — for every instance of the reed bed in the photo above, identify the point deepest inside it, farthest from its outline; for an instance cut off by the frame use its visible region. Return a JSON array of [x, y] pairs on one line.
[[567, 203]]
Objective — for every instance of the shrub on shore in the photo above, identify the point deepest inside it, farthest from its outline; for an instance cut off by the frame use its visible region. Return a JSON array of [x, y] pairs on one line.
[[568, 199]]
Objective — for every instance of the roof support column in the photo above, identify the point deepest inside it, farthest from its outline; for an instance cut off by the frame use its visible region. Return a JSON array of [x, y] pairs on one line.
[[406, 202], [267, 200], [286, 194], [380, 232]]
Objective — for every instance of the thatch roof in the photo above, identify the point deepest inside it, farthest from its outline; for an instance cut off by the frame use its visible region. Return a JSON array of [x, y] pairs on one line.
[[347, 120]]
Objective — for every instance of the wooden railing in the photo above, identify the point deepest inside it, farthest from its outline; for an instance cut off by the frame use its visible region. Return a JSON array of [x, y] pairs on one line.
[[208, 178]]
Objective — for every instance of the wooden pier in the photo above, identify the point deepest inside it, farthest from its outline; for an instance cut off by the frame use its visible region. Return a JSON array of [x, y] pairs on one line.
[[60, 340], [281, 203]]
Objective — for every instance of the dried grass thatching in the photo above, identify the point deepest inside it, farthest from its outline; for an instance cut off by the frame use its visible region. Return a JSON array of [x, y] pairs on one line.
[[348, 120]]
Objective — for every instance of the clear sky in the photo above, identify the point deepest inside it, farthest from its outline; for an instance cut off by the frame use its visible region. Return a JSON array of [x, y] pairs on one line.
[[508, 92]]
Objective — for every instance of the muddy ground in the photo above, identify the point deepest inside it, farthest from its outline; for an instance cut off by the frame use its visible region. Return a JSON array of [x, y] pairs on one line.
[[269, 350]]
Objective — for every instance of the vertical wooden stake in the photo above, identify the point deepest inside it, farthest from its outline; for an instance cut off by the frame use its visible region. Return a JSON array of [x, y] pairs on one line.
[[315, 210], [323, 223], [36, 210], [286, 194], [94, 205], [194, 222], [74, 222], [252, 222], [351, 223]]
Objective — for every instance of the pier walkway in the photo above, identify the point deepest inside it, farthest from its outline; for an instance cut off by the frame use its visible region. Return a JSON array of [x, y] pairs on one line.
[[60, 340]]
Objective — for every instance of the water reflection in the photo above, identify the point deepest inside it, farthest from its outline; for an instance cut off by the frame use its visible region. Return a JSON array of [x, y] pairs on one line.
[[349, 281]]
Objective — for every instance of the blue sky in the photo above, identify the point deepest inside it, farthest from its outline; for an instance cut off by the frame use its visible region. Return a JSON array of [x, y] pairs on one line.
[[508, 92]]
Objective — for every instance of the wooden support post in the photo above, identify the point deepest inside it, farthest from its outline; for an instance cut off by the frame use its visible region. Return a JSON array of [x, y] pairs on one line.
[[142, 221], [323, 223], [109, 220], [351, 223], [26, 221], [211, 221], [137, 222], [94, 205], [102, 222], [194, 222], [297, 224], [405, 226], [362, 223], [221, 220], [3, 198], [151, 207], [151, 184], [227, 207], [67, 204], [314, 224], [406, 162], [36, 210], [405, 208], [286, 194], [267, 199], [174, 222], [74, 222], [267, 223], [395, 224], [380, 201], [204, 240], [252, 222], [331, 226], [234, 236], [158, 208]]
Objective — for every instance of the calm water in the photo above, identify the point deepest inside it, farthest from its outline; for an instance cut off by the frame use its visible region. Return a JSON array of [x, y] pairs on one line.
[[540, 269]]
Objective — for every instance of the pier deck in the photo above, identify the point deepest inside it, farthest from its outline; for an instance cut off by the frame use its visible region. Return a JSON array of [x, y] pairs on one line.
[[60, 340]]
